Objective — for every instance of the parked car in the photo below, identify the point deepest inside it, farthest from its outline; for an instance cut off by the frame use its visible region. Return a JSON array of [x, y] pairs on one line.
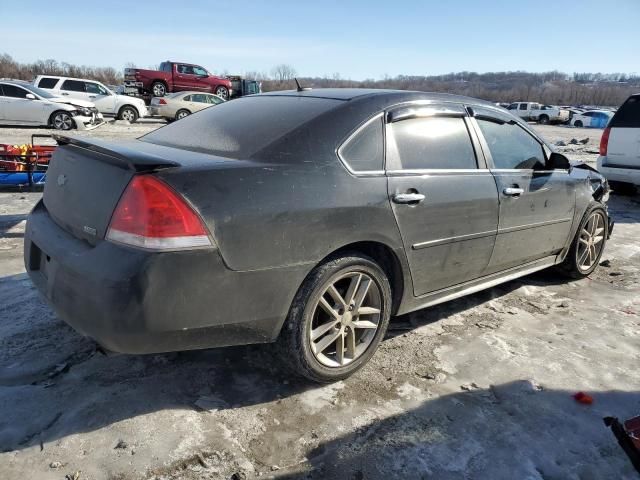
[[176, 77], [535, 112], [107, 101], [619, 158], [593, 118], [178, 105], [304, 217], [23, 104]]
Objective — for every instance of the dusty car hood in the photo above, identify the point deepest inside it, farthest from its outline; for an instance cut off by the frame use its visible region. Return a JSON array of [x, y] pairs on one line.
[[72, 101]]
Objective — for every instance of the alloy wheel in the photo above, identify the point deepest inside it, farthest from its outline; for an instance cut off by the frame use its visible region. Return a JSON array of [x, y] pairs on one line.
[[222, 92], [590, 241], [159, 90], [128, 115], [345, 319], [63, 121]]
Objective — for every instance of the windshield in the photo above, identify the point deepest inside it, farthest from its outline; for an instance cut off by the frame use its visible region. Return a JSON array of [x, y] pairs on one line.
[[38, 91], [242, 127]]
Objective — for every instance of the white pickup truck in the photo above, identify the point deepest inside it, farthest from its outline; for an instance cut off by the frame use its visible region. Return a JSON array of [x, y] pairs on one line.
[[534, 112]]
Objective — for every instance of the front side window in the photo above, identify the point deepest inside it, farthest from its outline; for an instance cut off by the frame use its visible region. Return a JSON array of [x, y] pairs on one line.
[[73, 86], [214, 99], [47, 82], [13, 91], [364, 151], [95, 88], [432, 143], [199, 71], [523, 106], [511, 146], [513, 106]]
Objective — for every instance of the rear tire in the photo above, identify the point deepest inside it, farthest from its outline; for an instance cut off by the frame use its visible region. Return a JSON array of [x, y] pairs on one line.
[[158, 89], [588, 243], [578, 124], [182, 113], [337, 319], [128, 113], [62, 120]]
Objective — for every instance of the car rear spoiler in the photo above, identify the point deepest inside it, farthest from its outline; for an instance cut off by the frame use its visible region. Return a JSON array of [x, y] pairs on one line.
[[119, 154]]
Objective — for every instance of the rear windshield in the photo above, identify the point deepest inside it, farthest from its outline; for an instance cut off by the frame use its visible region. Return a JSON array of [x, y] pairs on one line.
[[628, 115], [240, 128]]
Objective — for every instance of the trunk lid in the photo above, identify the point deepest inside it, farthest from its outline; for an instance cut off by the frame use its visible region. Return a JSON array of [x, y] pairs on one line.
[[86, 179]]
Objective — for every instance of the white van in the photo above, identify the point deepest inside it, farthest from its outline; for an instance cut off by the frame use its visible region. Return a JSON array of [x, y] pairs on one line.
[[108, 102], [619, 159]]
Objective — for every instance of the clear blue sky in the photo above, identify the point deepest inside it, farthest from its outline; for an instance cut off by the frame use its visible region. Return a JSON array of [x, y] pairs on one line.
[[357, 39]]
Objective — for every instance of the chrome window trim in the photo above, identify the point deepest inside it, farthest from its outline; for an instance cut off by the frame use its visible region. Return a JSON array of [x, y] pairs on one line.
[[432, 171], [363, 173]]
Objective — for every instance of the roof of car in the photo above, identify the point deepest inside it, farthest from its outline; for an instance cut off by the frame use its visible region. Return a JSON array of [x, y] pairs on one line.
[[14, 82], [347, 94]]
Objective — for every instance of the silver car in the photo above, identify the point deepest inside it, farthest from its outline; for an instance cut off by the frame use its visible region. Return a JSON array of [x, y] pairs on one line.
[[181, 104], [23, 104]]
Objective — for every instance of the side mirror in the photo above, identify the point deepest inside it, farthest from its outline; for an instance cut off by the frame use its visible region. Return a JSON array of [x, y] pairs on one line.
[[30, 96], [557, 161]]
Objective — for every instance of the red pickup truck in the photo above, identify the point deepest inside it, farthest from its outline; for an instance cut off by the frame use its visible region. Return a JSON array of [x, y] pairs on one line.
[[176, 77]]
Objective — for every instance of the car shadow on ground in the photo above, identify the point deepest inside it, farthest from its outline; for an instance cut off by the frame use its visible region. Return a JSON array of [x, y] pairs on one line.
[[624, 208], [8, 222], [514, 430], [55, 383]]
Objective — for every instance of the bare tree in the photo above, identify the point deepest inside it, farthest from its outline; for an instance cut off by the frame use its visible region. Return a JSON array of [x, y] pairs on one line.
[[283, 73]]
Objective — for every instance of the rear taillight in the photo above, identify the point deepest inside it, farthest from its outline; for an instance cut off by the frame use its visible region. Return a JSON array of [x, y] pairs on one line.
[[162, 101], [151, 215], [604, 141]]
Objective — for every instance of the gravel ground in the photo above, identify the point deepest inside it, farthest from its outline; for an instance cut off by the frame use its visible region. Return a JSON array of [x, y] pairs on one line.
[[480, 387]]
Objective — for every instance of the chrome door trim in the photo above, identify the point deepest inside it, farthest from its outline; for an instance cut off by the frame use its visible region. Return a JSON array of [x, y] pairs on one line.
[[533, 225], [459, 238]]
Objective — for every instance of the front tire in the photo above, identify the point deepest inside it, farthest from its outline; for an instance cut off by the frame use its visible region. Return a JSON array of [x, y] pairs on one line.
[[543, 120], [588, 244], [128, 113], [578, 124], [62, 120], [180, 114], [222, 92], [337, 319]]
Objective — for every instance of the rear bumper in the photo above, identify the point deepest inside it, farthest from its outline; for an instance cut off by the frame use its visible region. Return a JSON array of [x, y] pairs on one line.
[[133, 301], [618, 173]]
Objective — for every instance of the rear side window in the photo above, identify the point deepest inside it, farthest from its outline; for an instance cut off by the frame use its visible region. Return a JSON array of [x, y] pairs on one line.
[[187, 98], [432, 143], [73, 86], [47, 82], [511, 146], [628, 115], [364, 151], [243, 127]]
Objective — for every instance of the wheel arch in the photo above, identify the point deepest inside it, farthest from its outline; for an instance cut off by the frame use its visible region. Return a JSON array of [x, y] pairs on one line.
[[384, 256]]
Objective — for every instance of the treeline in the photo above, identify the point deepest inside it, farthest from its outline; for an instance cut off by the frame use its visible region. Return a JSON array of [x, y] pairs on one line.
[[9, 68], [547, 87], [555, 88]]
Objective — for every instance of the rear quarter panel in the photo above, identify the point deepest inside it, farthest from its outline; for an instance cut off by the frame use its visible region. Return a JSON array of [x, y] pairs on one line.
[[275, 215]]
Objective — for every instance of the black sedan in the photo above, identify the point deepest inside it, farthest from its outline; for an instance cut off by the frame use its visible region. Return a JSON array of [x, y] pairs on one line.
[[304, 217]]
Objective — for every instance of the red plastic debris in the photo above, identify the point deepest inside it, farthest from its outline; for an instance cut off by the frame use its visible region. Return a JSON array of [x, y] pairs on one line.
[[583, 398]]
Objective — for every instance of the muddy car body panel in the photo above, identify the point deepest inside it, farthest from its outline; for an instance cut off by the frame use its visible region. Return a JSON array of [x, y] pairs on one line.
[[321, 172]]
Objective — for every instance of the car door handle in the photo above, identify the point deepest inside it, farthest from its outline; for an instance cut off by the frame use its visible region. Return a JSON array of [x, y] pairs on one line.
[[408, 198], [513, 191], [64, 93], [92, 96]]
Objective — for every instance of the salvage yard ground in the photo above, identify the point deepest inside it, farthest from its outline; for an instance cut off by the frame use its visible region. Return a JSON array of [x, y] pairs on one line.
[[478, 388]]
